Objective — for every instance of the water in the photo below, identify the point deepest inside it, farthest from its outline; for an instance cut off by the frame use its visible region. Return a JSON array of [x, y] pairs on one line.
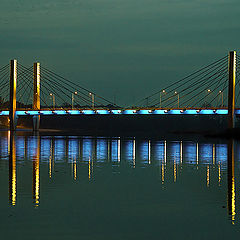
[[112, 188]]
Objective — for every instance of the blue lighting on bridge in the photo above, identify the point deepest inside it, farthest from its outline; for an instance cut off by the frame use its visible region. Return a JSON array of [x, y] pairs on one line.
[[125, 112], [4, 113], [174, 111], [59, 112], [88, 112], [73, 112], [190, 111], [19, 113], [116, 111], [145, 112], [129, 111], [32, 113], [158, 112], [237, 111], [207, 111], [46, 112], [103, 112]]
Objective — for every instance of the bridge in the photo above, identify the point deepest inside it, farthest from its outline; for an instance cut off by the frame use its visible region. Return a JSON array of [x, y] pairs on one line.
[[35, 91]]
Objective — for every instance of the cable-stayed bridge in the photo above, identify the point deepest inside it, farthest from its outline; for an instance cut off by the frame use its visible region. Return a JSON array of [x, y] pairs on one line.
[[34, 91]]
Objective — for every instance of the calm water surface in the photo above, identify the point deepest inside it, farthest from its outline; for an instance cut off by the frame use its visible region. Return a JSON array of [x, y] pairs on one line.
[[112, 188]]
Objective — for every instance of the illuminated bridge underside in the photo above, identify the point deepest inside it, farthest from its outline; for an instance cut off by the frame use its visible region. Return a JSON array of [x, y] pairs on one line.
[[123, 112]]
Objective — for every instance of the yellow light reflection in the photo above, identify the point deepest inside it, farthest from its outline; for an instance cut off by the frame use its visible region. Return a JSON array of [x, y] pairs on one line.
[[233, 200], [231, 182], [134, 153], [175, 171], [12, 170], [75, 169], [213, 154], [51, 159], [50, 167], [89, 168], [219, 174], [36, 175], [9, 135], [208, 176], [163, 172], [165, 151]]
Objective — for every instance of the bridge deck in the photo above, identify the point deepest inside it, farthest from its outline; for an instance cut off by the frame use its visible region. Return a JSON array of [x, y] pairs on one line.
[[121, 112]]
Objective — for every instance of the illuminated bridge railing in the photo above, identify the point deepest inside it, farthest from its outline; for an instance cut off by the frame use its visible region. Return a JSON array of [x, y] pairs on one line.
[[123, 112]]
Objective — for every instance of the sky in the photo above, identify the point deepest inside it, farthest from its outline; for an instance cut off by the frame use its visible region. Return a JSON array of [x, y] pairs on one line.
[[123, 48]]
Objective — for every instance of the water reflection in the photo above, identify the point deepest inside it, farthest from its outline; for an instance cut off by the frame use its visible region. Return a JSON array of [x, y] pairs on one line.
[[86, 155], [12, 169], [231, 181], [36, 181]]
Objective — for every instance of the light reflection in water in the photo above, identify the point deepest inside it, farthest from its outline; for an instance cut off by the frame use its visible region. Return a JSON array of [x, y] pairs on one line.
[[36, 181], [219, 174], [205, 151], [75, 169], [208, 176], [175, 171], [134, 153], [51, 157], [181, 152], [213, 151], [12, 169], [149, 152], [231, 181], [197, 155], [96, 152], [119, 150]]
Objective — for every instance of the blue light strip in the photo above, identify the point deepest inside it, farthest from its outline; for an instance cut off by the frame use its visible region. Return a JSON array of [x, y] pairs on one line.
[[4, 113], [124, 112]]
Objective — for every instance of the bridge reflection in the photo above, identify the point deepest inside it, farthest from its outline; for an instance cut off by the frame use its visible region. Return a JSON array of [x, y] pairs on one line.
[[170, 157]]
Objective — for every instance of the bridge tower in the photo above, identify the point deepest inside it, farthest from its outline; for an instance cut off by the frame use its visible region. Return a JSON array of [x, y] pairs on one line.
[[231, 89], [12, 100], [36, 94]]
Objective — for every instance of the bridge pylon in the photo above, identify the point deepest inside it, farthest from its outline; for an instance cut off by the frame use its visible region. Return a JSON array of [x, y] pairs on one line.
[[12, 100], [36, 94], [231, 89]]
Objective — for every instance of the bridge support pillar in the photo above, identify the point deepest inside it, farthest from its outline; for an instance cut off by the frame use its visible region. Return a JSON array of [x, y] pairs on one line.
[[36, 95], [231, 89], [36, 122], [13, 102]]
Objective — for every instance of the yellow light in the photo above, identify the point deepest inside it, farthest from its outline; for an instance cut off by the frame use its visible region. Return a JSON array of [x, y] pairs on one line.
[[134, 153], [208, 176], [36, 175], [219, 174], [75, 169], [175, 171], [50, 167], [89, 168], [233, 200], [162, 173], [213, 154]]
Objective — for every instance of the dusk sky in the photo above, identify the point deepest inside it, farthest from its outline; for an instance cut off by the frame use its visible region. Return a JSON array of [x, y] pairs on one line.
[[127, 48]]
